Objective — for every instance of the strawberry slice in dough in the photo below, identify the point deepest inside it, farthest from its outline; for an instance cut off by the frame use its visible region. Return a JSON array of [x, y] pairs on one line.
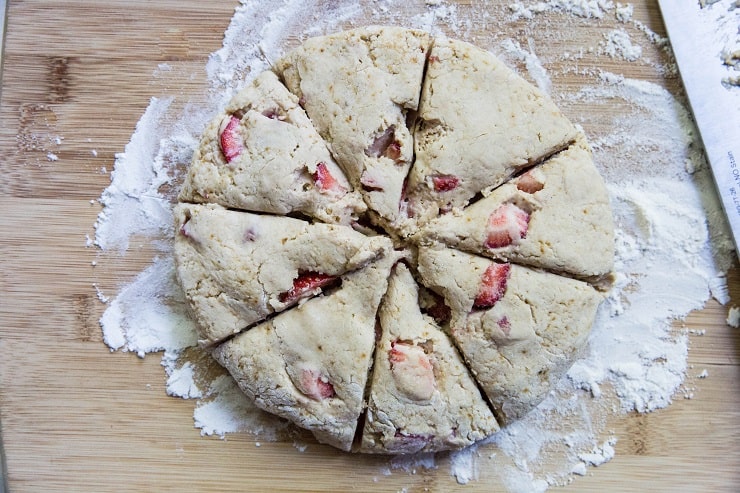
[[237, 268], [305, 283], [326, 182], [315, 385], [532, 181], [422, 398], [506, 225], [520, 345], [480, 123], [445, 183], [263, 154], [412, 370], [230, 138], [556, 216], [358, 87], [310, 364], [492, 286]]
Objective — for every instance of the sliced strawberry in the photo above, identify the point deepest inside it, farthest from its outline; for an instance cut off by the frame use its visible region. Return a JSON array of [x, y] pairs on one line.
[[412, 371], [230, 139], [386, 145], [445, 183], [493, 285], [315, 385], [305, 283], [325, 181], [393, 151], [531, 182], [506, 225]]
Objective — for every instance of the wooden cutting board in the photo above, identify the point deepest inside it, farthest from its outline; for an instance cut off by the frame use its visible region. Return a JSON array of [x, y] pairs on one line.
[[77, 77]]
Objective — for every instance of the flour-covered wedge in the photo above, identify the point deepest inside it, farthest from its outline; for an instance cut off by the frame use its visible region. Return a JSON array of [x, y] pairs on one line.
[[263, 154], [422, 397], [236, 268], [518, 329], [556, 216], [358, 87], [310, 364], [479, 123]]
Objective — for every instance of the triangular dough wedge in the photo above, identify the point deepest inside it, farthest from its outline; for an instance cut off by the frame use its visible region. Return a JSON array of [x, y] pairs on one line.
[[310, 364], [422, 397], [518, 329], [263, 154], [358, 87], [479, 123], [236, 268], [555, 216]]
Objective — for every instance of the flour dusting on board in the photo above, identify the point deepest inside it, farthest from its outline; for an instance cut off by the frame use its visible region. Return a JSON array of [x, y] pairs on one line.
[[670, 230]]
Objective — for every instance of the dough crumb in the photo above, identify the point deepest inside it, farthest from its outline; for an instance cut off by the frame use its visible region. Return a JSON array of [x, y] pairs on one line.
[[733, 317]]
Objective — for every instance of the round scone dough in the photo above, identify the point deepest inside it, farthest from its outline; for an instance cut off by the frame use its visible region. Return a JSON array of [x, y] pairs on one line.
[[393, 241]]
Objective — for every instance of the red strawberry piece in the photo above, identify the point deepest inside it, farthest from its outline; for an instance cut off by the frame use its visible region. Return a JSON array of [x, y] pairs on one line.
[[393, 151], [493, 285], [305, 283], [315, 385], [445, 183], [412, 371], [325, 181], [530, 182], [386, 145], [506, 225], [230, 139]]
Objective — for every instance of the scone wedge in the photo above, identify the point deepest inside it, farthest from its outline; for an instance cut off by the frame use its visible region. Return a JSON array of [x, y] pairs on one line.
[[262, 153], [236, 268], [310, 364], [422, 397], [478, 124], [359, 87], [519, 329]]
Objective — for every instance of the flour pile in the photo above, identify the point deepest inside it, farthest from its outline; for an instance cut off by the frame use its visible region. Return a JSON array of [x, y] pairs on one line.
[[670, 228]]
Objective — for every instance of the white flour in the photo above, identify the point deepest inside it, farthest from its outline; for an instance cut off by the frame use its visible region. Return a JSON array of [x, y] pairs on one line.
[[670, 229]]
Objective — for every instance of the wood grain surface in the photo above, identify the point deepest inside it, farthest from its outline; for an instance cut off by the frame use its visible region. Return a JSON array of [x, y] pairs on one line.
[[76, 417]]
